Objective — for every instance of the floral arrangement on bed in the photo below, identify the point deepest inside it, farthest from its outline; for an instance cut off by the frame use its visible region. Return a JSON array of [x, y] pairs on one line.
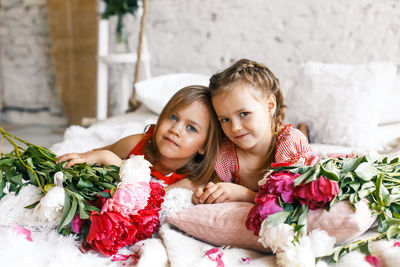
[[108, 207], [287, 193]]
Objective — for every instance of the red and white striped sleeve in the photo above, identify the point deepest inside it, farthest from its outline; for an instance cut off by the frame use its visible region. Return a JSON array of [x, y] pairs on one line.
[[227, 163], [292, 148]]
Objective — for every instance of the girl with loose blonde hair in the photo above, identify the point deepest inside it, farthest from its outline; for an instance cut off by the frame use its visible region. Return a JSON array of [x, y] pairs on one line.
[[182, 144]]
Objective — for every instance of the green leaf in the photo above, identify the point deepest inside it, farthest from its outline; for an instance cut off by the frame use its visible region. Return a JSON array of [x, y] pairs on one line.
[[303, 177], [349, 165], [84, 183], [303, 219], [393, 231], [92, 208], [17, 179], [82, 213], [366, 171], [103, 194], [69, 211], [277, 218], [315, 174], [364, 248], [31, 206], [330, 171], [7, 161], [2, 184], [382, 194], [366, 189]]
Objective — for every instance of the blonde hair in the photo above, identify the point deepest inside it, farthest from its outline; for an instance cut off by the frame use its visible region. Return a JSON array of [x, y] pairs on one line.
[[201, 167], [258, 75]]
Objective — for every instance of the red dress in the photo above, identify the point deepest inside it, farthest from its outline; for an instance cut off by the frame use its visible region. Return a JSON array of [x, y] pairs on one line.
[[291, 148], [138, 150]]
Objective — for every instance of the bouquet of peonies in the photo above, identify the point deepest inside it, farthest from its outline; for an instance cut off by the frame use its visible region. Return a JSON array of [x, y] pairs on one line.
[[109, 207], [130, 215], [286, 193]]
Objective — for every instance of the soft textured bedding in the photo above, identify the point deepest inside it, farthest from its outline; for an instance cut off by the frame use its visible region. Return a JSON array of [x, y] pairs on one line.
[[170, 247]]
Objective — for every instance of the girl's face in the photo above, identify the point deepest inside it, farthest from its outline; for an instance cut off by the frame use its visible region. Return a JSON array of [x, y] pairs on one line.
[[183, 133], [245, 116]]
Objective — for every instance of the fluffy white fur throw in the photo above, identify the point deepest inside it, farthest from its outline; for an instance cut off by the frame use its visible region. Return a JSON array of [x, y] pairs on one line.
[[170, 248]]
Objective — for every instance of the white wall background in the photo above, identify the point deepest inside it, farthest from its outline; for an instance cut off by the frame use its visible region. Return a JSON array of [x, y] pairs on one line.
[[204, 36]]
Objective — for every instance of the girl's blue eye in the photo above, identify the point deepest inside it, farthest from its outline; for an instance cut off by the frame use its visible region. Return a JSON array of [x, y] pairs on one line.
[[224, 120], [243, 114], [172, 117], [191, 128]]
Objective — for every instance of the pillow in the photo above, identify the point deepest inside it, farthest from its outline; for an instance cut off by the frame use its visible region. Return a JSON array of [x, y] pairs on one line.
[[390, 113], [223, 224], [155, 92], [341, 104]]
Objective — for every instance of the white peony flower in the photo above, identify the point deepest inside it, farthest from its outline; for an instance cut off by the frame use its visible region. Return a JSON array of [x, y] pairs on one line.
[[135, 169], [297, 255], [51, 205], [321, 243], [276, 237]]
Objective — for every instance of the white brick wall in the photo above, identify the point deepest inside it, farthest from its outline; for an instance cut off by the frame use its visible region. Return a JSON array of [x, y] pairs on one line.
[[207, 35], [28, 79]]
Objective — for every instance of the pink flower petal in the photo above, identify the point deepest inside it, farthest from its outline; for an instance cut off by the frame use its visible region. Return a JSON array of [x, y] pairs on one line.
[[21, 230], [246, 260], [372, 260], [218, 258], [396, 244]]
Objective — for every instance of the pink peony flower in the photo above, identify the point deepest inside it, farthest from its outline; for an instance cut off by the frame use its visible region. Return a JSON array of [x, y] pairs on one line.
[[316, 194], [269, 204], [77, 223], [128, 199], [254, 220], [265, 205], [279, 184]]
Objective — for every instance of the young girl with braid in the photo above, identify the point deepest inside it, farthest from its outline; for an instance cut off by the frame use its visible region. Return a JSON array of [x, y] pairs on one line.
[[250, 108]]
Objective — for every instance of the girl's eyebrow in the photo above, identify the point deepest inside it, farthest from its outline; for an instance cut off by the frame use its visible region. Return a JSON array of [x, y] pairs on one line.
[[236, 111]]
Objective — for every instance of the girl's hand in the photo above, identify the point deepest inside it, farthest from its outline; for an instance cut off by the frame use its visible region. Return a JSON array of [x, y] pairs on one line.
[[224, 192], [102, 157], [197, 193]]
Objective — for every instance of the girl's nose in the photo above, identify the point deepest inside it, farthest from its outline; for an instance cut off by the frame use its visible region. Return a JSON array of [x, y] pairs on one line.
[[175, 129], [236, 125]]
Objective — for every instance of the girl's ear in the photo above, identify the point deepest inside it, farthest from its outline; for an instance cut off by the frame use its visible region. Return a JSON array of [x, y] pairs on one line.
[[271, 103], [201, 151]]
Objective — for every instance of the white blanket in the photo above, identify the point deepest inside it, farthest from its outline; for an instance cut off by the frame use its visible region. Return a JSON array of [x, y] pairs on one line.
[[168, 248]]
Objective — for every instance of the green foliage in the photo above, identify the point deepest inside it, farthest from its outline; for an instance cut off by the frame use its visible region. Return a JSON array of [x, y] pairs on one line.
[[36, 165], [119, 8], [358, 178]]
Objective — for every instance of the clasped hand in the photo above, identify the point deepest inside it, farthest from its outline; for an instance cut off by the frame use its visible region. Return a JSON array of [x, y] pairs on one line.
[[221, 192]]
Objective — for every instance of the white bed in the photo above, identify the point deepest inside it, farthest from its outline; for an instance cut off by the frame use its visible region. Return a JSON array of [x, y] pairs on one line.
[[168, 248]]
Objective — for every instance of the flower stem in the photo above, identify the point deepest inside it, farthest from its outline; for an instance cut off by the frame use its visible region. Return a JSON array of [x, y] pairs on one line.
[[16, 149], [41, 149]]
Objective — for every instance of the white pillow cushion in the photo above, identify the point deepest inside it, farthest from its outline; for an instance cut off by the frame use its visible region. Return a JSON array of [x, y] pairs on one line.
[[391, 107], [156, 92], [340, 103]]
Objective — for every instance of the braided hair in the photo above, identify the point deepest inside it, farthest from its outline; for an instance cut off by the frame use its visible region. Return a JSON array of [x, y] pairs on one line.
[[257, 75]]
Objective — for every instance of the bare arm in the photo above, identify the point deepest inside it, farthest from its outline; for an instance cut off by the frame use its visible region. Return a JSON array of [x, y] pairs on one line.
[[108, 155], [124, 146], [184, 183]]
